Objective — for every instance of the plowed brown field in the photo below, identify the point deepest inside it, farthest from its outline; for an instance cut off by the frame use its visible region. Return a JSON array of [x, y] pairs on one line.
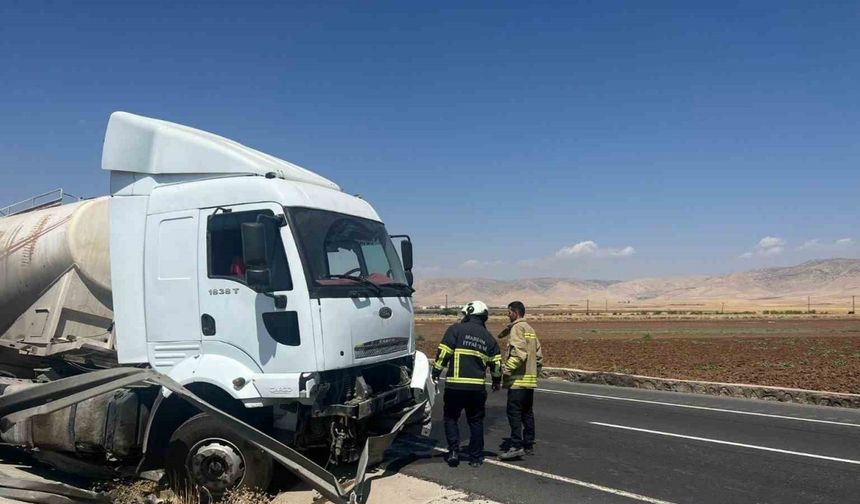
[[819, 354]]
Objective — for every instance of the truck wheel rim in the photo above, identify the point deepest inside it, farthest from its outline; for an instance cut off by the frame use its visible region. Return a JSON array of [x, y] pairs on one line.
[[216, 464]]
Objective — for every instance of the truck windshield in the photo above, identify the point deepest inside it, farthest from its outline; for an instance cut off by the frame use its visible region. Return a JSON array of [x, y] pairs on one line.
[[343, 254]]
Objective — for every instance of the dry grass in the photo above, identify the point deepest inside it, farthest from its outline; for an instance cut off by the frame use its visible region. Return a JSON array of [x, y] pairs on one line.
[[243, 496], [130, 492], [147, 492]]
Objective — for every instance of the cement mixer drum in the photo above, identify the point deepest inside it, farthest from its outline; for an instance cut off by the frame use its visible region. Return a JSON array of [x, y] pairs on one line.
[[55, 294]]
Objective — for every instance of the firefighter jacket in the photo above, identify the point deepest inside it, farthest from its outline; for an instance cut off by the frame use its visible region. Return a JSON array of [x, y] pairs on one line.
[[468, 349], [523, 358]]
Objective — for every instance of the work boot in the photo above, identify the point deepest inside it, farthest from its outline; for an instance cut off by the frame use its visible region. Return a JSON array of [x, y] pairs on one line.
[[476, 462], [530, 451], [512, 453], [452, 458]]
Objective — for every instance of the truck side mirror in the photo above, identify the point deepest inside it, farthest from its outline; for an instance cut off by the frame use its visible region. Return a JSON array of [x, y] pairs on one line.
[[257, 274], [406, 255]]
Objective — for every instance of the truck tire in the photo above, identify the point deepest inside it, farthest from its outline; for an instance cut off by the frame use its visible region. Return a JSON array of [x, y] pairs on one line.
[[203, 454]]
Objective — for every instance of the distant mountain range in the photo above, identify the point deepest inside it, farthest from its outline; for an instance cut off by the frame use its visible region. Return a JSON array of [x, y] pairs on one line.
[[824, 280]]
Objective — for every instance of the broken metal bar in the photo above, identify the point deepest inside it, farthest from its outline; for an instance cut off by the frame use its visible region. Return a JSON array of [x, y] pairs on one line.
[[69, 400], [373, 451], [27, 398], [50, 487], [363, 409], [35, 497], [323, 481]]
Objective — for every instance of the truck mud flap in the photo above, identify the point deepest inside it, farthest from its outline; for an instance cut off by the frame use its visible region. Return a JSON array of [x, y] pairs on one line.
[[54, 396]]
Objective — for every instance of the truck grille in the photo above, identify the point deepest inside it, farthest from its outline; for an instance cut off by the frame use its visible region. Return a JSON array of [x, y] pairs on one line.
[[380, 347]]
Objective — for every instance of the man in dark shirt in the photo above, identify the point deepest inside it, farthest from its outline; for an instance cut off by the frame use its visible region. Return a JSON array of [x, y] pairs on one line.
[[467, 349]]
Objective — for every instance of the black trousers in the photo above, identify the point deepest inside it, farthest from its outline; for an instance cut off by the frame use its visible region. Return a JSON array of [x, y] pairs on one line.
[[474, 402], [521, 417]]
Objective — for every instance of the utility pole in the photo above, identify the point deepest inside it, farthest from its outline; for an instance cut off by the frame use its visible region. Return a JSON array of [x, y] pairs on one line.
[[808, 306], [852, 306], [446, 302], [723, 308], [605, 306], [586, 307]]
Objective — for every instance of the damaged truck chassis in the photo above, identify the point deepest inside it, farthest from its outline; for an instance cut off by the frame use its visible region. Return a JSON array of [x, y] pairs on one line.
[[18, 407]]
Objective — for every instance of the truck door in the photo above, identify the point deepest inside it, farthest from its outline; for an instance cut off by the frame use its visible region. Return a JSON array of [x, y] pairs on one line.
[[275, 331], [170, 286]]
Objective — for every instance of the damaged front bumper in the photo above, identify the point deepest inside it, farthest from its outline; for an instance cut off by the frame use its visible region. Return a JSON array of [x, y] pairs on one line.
[[420, 388], [63, 393]]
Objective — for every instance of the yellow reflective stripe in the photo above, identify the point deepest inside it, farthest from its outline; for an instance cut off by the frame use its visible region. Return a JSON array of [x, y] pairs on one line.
[[438, 363], [466, 380], [473, 353], [530, 335], [496, 372], [525, 379], [512, 363], [444, 350], [455, 378]]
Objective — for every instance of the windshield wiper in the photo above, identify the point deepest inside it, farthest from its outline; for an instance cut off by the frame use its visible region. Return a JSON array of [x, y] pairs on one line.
[[400, 285], [362, 280]]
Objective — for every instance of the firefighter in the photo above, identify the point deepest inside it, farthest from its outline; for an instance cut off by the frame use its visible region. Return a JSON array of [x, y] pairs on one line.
[[522, 364], [467, 350]]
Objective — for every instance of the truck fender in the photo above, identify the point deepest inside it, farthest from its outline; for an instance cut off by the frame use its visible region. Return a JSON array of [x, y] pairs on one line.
[[209, 377], [224, 372]]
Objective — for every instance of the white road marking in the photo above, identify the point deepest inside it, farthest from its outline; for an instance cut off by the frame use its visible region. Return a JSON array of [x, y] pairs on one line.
[[572, 481], [706, 408], [730, 443]]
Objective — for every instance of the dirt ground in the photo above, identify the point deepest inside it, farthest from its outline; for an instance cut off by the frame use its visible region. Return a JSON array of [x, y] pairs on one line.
[[386, 485], [819, 354]]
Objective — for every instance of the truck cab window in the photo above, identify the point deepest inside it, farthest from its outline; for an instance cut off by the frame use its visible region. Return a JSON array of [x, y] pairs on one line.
[[343, 261], [224, 247], [334, 244], [374, 256]]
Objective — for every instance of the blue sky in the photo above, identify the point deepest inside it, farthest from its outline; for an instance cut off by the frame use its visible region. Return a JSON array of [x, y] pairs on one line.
[[581, 139]]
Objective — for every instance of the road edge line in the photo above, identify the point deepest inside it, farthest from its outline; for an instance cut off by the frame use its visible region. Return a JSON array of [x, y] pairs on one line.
[[728, 443], [698, 407], [739, 390]]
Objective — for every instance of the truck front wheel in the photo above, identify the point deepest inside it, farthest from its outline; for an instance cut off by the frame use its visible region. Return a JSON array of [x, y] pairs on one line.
[[203, 454]]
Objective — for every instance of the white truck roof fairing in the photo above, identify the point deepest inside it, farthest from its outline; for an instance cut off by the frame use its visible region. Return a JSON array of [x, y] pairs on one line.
[[149, 147]]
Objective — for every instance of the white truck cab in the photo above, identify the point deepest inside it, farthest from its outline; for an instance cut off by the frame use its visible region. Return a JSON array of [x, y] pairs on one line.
[[335, 295]]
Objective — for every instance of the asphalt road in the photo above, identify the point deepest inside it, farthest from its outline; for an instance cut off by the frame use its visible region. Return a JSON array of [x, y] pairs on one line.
[[601, 444]]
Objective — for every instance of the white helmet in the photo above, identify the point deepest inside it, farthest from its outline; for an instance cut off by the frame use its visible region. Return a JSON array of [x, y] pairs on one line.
[[475, 308]]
